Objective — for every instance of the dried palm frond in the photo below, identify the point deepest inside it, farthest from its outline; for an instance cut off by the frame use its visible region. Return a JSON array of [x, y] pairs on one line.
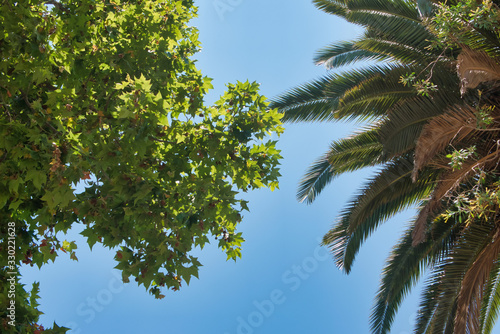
[[475, 67], [448, 183], [454, 125], [471, 292]]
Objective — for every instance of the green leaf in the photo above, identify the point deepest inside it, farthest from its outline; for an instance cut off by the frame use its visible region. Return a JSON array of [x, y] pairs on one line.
[[38, 177]]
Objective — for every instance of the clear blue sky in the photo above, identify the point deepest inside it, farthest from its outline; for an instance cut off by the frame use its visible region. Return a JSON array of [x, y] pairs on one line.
[[284, 283]]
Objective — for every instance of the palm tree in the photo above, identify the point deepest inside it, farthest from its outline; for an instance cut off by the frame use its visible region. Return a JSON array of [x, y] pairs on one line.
[[409, 136]]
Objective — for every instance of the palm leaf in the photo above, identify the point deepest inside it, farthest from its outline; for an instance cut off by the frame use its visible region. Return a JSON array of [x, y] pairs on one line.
[[331, 7], [475, 67], [448, 182], [344, 53], [346, 155], [388, 8], [403, 127], [373, 97], [396, 51], [471, 292], [399, 132], [319, 99], [440, 132], [345, 9], [388, 193], [448, 277], [408, 33], [491, 302], [404, 267], [409, 136], [307, 102]]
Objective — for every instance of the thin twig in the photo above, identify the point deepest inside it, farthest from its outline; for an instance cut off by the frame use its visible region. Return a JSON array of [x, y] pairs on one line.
[[50, 126], [25, 97], [433, 63], [28, 103], [7, 111], [160, 140], [478, 129], [8, 4]]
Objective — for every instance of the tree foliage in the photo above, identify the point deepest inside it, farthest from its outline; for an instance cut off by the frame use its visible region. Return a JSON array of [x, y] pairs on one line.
[[103, 125]]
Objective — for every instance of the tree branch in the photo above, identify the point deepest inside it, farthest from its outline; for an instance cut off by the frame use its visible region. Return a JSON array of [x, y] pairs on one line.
[[7, 111], [8, 4], [27, 101], [160, 140]]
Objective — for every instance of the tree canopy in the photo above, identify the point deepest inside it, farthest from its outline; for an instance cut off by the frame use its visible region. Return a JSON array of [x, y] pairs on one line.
[[104, 125]]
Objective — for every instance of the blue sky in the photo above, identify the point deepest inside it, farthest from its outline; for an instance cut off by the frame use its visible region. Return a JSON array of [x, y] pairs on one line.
[[285, 282]]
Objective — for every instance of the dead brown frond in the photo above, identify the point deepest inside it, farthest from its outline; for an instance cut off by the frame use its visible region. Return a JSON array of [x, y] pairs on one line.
[[454, 125], [446, 185], [475, 67], [471, 292], [418, 234]]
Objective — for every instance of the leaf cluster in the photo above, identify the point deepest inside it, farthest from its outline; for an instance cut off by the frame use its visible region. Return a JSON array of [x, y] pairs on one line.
[[458, 23], [104, 125]]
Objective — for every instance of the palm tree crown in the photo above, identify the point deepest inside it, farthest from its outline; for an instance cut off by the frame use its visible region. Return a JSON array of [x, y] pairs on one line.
[[434, 135]]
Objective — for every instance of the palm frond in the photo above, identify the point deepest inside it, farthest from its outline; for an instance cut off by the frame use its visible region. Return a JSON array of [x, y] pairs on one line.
[[430, 296], [373, 97], [345, 8], [447, 278], [400, 131], [409, 137], [471, 292], [439, 132], [332, 7], [410, 33], [319, 99], [382, 81], [388, 193], [344, 53], [446, 184], [389, 8], [404, 268], [400, 52], [405, 122], [475, 67], [307, 102], [398, 33], [491, 303], [358, 151], [429, 304]]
